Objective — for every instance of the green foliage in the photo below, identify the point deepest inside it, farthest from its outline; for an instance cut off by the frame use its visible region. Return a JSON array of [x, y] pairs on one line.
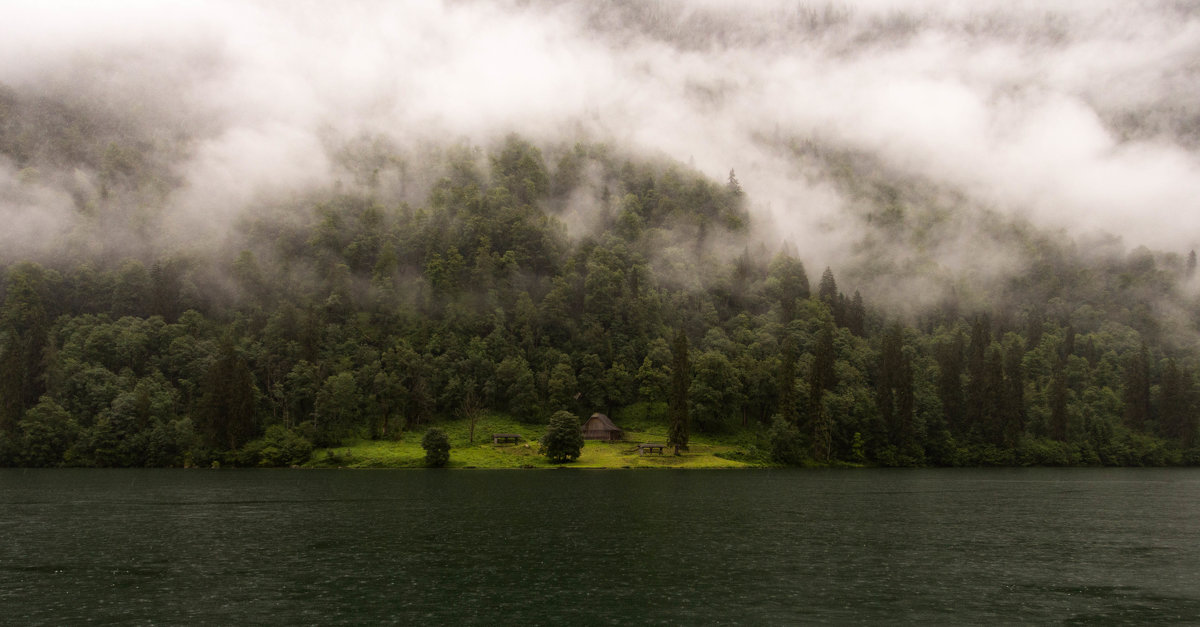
[[437, 447], [48, 433], [563, 440], [787, 445], [279, 446], [355, 318], [677, 407]]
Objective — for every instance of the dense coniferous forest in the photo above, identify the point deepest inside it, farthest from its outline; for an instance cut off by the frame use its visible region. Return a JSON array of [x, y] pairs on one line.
[[344, 315]]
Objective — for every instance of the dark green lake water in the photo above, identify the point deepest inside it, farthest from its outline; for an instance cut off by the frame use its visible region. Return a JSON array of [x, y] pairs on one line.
[[1077, 546]]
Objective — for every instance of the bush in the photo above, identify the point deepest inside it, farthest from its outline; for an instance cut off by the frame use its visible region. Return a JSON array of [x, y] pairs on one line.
[[277, 447], [1047, 452], [787, 446], [437, 447], [563, 441]]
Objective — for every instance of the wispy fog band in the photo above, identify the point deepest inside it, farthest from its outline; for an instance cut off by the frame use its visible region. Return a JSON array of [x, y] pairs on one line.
[[1075, 115]]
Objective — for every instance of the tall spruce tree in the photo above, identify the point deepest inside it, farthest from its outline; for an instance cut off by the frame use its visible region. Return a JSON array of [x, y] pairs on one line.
[[827, 290], [1137, 390], [1013, 396], [1176, 408], [950, 389], [787, 382], [856, 315], [894, 393], [822, 378], [1059, 426], [226, 409], [677, 408], [978, 395], [789, 282]]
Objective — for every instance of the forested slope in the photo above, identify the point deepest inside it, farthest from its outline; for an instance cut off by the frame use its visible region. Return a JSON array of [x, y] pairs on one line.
[[529, 280]]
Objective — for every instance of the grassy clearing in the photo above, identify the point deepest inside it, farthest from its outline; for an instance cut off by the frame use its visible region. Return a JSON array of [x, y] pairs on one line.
[[407, 452]]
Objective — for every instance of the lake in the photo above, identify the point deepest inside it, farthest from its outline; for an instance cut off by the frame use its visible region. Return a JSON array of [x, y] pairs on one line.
[[751, 547]]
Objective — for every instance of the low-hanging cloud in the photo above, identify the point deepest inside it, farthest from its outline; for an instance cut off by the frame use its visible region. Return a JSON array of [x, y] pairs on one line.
[[1075, 115]]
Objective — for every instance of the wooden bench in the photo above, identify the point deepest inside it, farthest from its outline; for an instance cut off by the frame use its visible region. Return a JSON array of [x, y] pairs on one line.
[[505, 438], [646, 447]]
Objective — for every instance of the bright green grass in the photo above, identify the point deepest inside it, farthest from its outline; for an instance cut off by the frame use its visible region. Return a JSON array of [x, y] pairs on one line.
[[407, 452]]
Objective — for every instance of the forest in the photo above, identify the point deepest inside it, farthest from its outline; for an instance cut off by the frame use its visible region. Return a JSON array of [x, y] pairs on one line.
[[343, 316]]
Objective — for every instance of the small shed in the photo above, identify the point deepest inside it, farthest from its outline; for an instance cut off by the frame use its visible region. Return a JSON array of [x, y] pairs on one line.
[[599, 427]]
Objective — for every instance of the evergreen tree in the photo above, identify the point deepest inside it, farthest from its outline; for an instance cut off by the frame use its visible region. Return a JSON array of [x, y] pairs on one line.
[[23, 328], [1013, 413], [894, 394], [227, 392], [1058, 402], [787, 382], [677, 409], [1177, 405], [788, 282], [950, 389], [822, 378], [856, 315], [732, 185], [978, 396], [827, 291], [1137, 390], [992, 417]]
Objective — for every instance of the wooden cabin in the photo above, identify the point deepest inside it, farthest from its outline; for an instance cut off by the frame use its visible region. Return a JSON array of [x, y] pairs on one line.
[[599, 427]]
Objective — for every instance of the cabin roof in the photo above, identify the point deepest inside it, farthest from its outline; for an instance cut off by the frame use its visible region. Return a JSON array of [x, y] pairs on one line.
[[604, 423]]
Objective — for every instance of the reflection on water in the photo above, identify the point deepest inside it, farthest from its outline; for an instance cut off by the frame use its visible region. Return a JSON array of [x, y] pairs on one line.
[[595, 547]]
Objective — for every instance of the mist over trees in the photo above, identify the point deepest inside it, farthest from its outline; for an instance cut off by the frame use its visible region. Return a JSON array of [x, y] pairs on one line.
[[358, 319], [852, 234]]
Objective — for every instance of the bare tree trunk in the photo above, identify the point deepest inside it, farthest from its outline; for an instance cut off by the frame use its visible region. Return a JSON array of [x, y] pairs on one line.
[[470, 410]]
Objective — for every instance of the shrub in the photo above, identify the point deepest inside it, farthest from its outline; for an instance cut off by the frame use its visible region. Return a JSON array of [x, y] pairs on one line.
[[787, 446], [277, 447], [437, 447], [563, 441]]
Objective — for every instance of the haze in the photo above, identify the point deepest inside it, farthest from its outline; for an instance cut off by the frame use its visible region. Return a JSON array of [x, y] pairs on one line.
[[1080, 116]]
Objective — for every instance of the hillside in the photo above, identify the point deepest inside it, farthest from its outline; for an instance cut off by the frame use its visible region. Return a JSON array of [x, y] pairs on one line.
[[529, 281]]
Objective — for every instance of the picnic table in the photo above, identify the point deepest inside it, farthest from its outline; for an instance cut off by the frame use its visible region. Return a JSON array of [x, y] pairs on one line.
[[503, 438], [649, 447]]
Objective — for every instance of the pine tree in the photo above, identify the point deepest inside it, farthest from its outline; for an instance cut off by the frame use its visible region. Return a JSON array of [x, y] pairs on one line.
[[977, 393], [24, 323], [787, 382], [1013, 396], [894, 391], [1058, 402], [992, 414], [821, 379], [950, 390], [1177, 404], [827, 290], [1137, 390], [734, 187], [856, 315], [226, 411], [677, 409], [789, 282]]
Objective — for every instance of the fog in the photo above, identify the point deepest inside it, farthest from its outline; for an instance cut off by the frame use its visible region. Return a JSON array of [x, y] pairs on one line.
[[1073, 116]]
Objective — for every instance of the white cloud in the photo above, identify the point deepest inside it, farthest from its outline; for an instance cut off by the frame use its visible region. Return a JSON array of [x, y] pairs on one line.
[[1009, 103]]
